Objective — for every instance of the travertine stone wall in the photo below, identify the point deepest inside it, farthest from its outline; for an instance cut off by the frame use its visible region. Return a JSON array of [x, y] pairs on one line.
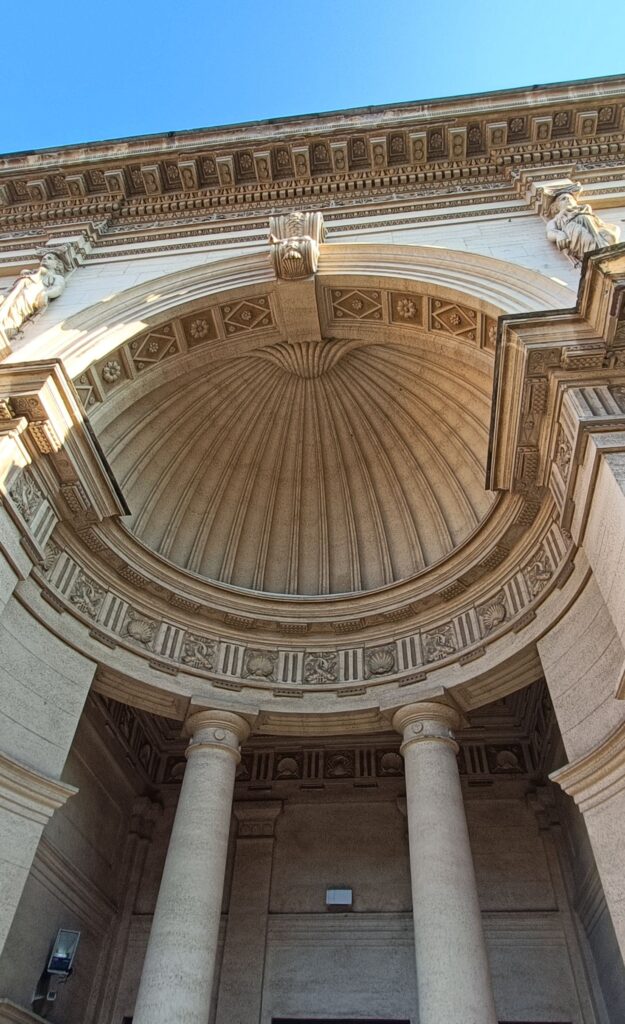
[[591, 911], [582, 675], [362, 963], [604, 536], [74, 878], [583, 678], [44, 685]]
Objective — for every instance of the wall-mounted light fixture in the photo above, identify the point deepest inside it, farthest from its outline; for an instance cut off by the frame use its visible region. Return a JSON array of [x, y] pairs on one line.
[[59, 966], [63, 952]]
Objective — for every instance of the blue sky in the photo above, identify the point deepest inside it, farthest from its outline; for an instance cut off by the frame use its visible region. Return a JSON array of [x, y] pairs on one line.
[[78, 72]]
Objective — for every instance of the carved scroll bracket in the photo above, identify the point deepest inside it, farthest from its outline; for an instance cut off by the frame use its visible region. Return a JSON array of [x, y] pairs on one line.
[[294, 239]]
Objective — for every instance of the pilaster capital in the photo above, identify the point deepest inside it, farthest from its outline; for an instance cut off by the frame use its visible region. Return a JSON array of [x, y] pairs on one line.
[[216, 729], [257, 818], [426, 720], [144, 815]]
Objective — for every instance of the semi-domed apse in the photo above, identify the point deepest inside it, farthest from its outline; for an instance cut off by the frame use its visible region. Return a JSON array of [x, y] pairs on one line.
[[331, 466]]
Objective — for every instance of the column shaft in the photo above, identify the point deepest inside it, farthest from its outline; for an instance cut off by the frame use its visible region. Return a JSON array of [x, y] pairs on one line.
[[177, 978], [453, 977]]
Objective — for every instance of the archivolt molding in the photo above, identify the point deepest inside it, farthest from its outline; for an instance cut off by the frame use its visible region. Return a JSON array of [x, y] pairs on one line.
[[597, 777], [496, 287]]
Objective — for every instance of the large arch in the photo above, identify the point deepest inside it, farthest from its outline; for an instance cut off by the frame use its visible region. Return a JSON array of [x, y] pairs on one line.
[[163, 632]]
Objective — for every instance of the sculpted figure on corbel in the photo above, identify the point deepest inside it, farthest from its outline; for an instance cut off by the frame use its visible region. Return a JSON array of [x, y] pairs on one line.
[[31, 292], [34, 289], [294, 239], [573, 226]]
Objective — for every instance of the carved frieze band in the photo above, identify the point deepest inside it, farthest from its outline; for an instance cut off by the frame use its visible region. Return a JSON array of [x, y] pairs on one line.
[[516, 744], [171, 646]]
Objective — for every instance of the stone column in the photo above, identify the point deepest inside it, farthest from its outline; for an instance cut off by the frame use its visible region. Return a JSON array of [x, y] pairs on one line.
[[177, 977], [453, 977], [243, 964]]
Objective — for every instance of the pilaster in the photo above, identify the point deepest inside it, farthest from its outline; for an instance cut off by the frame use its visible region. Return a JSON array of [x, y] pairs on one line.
[[243, 964], [596, 781], [28, 799]]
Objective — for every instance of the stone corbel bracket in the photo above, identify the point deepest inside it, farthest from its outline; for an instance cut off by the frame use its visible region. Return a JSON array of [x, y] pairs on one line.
[[51, 465], [36, 287], [539, 359]]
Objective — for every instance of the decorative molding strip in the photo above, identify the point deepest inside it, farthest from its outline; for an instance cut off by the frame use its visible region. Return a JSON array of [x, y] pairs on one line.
[[71, 887], [30, 794], [475, 136], [598, 776], [257, 818], [11, 1013], [464, 634]]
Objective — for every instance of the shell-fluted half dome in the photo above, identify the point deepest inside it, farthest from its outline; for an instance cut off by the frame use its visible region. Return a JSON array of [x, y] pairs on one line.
[[308, 471]]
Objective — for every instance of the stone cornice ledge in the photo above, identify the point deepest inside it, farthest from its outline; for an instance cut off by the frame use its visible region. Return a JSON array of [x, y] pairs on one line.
[[29, 794], [598, 776], [11, 1013]]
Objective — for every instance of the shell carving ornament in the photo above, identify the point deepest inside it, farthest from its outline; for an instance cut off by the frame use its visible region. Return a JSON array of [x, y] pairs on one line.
[[493, 613], [380, 661], [294, 239], [140, 629]]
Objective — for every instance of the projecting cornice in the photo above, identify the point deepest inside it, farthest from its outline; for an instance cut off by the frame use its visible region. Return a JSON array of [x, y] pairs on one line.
[[541, 357], [356, 151]]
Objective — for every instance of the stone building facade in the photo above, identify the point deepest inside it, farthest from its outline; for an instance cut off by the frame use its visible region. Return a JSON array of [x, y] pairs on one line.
[[312, 569]]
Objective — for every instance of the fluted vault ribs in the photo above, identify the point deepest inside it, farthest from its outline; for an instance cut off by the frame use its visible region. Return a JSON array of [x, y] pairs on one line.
[[311, 469]]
